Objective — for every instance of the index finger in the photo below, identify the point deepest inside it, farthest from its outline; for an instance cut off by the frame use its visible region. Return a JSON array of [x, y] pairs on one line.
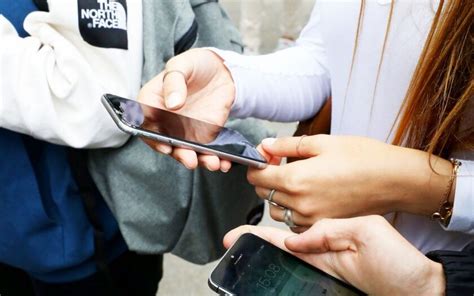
[[273, 160], [304, 146], [270, 177]]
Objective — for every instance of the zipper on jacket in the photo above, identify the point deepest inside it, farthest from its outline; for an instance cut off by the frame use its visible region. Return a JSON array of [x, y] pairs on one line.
[[188, 39]]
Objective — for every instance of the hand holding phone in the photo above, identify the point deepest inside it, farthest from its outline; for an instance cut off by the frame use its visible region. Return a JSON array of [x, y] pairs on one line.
[[181, 131], [196, 84], [366, 252], [253, 266]]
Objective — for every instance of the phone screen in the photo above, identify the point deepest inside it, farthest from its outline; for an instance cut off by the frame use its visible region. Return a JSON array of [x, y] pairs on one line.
[[183, 128], [255, 267]]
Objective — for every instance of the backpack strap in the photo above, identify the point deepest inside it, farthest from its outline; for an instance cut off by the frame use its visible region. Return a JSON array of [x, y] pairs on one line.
[[89, 193], [42, 5], [187, 40]]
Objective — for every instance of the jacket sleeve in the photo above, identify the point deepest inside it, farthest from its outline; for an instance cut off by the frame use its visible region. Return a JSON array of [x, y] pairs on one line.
[[264, 83], [458, 269], [51, 90], [463, 209]]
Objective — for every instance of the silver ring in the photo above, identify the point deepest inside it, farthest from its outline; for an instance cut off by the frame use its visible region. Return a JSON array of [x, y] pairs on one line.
[[288, 217], [270, 195], [270, 199]]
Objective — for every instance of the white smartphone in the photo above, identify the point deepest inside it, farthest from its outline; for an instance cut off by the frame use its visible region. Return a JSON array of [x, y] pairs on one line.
[[181, 131]]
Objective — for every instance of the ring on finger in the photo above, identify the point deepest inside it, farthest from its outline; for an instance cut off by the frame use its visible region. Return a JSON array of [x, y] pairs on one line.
[[270, 199], [298, 145], [270, 195], [288, 218]]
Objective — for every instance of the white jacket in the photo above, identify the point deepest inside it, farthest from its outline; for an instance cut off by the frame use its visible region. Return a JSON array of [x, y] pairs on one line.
[[293, 84], [51, 82]]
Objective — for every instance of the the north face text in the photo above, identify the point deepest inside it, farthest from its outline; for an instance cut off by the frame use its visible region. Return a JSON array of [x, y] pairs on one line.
[[103, 23], [110, 14]]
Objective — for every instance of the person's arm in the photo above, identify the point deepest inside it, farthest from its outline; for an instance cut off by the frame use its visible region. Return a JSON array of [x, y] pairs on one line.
[[288, 85], [347, 176], [50, 88], [458, 269]]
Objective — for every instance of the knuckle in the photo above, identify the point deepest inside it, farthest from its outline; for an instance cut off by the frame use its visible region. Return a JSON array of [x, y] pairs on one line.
[[292, 183], [260, 192], [310, 211], [318, 140], [305, 210], [251, 177]]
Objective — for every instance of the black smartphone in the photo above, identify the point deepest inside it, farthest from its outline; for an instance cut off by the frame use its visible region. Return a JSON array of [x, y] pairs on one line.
[[181, 131], [253, 266]]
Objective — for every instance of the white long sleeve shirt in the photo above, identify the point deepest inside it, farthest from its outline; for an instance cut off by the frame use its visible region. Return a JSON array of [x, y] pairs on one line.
[[293, 84], [52, 81]]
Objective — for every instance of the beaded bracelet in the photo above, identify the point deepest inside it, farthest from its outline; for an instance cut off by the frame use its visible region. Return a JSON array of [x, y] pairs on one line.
[[446, 208]]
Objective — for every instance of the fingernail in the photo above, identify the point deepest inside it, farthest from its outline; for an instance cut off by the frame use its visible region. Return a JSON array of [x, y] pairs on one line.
[[165, 149], [225, 170], [185, 165], [268, 141], [173, 100], [208, 167]]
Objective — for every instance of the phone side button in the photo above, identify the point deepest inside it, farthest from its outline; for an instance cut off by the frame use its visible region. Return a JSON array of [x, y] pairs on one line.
[[170, 142]]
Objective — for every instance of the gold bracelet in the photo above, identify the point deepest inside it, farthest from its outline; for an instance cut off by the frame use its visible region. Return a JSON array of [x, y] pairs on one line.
[[446, 208]]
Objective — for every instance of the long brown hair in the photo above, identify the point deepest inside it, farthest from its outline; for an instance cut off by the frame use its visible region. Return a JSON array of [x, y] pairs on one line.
[[442, 85]]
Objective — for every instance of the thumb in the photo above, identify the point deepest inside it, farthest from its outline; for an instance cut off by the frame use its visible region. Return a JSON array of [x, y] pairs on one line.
[[175, 77], [273, 160], [304, 146], [272, 235], [327, 235]]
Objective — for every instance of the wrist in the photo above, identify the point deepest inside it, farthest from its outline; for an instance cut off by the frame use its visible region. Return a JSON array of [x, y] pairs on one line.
[[423, 180], [224, 72], [435, 283]]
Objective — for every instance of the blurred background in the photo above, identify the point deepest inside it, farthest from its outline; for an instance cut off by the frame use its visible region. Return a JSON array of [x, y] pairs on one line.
[[266, 25]]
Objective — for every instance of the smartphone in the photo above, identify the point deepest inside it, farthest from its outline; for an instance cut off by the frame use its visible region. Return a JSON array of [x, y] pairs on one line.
[[253, 266], [181, 131]]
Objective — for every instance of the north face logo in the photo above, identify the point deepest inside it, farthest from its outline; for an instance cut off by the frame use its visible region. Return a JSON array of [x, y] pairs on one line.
[[103, 23], [110, 15]]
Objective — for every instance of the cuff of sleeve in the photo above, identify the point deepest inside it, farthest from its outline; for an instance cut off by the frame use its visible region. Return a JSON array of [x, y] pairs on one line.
[[458, 268], [231, 58], [463, 210]]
